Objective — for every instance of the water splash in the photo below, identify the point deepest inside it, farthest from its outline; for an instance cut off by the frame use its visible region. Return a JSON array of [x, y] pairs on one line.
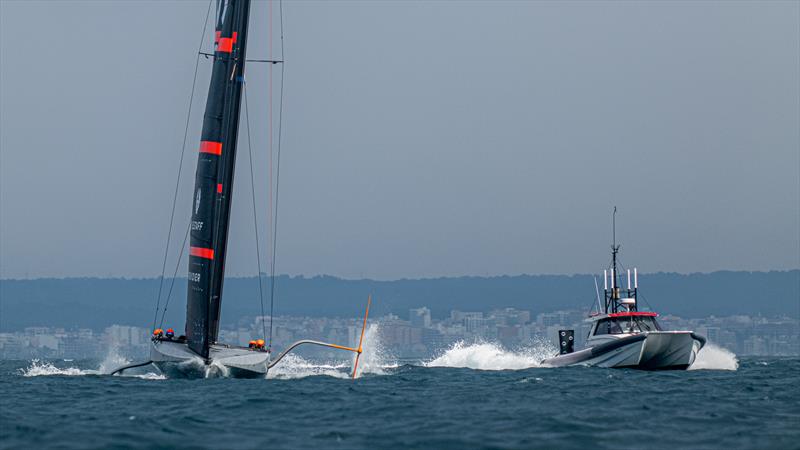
[[39, 368], [490, 356], [150, 376], [713, 357], [215, 369], [375, 358], [294, 366], [110, 362], [114, 360]]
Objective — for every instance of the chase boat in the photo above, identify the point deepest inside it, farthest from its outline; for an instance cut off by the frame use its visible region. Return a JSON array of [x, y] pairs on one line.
[[621, 336]]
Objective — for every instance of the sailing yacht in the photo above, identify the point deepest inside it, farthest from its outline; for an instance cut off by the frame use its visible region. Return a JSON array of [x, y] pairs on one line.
[[620, 335], [198, 350]]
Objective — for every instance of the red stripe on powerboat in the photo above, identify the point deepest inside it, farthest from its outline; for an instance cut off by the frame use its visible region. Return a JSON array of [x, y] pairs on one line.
[[634, 314]]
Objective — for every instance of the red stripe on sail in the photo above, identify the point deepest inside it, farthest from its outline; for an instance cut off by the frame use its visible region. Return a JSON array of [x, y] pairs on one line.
[[235, 35], [200, 252], [219, 188], [215, 148], [225, 45]]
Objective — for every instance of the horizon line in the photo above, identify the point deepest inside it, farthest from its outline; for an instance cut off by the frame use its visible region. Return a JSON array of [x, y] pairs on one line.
[[306, 276]]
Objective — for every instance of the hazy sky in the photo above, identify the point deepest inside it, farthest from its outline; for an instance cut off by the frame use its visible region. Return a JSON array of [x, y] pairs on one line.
[[420, 138]]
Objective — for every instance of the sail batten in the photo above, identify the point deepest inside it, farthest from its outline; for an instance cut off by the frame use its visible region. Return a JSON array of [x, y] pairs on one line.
[[215, 169]]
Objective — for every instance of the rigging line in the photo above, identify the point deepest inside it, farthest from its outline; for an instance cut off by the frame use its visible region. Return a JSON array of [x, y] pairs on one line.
[[271, 142], [270, 118], [180, 167], [280, 15], [255, 211], [277, 187], [174, 275], [639, 294]]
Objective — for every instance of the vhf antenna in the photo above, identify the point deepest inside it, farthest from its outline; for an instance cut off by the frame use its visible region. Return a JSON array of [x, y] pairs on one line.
[[614, 250], [614, 227]]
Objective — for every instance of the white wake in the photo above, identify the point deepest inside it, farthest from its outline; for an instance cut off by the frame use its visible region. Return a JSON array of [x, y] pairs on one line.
[[490, 356], [39, 368], [112, 361], [295, 366], [713, 357]]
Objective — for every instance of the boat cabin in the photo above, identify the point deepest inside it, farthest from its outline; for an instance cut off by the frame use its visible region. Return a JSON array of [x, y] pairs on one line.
[[624, 323]]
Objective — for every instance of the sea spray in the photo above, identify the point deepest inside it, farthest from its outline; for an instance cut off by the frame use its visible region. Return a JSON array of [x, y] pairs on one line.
[[491, 356], [713, 357], [112, 361], [39, 368], [375, 358], [295, 366], [216, 370]]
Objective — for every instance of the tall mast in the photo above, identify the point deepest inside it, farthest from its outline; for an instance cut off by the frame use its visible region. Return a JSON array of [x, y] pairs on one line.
[[614, 251], [214, 177]]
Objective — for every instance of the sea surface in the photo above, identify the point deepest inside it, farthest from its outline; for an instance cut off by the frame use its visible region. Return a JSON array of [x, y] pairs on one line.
[[471, 396]]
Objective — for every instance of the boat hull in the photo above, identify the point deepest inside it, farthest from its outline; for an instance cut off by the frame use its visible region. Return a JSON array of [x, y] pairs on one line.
[[175, 359], [657, 350]]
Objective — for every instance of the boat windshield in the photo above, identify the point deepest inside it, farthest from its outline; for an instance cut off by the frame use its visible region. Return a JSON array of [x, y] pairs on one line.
[[630, 324]]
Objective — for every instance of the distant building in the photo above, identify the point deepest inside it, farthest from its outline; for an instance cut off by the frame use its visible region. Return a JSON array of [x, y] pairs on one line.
[[419, 336], [420, 317], [460, 316], [511, 316]]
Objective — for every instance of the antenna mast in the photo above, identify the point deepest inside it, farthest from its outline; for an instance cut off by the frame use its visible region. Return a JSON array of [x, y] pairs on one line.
[[614, 251], [612, 295]]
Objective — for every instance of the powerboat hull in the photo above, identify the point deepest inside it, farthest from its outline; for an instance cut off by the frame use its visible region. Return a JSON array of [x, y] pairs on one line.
[[654, 350], [175, 359]]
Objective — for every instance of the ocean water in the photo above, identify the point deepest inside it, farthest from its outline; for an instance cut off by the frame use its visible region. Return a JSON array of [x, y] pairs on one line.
[[471, 396]]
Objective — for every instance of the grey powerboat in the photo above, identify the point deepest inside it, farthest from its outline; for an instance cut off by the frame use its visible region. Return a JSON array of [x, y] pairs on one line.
[[620, 335]]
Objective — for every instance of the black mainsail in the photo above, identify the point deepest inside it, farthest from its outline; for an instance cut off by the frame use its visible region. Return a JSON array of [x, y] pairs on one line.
[[214, 177]]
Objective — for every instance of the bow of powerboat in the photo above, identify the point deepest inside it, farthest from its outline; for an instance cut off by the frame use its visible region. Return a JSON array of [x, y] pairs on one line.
[[667, 350]]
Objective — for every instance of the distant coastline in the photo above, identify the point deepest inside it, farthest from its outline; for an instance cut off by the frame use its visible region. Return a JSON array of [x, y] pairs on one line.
[[98, 302]]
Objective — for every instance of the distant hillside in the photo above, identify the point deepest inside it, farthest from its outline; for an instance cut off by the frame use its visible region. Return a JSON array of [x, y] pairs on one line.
[[96, 303]]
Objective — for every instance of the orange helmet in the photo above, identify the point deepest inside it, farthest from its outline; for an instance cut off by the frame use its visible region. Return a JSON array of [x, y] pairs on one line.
[[260, 342], [158, 331]]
